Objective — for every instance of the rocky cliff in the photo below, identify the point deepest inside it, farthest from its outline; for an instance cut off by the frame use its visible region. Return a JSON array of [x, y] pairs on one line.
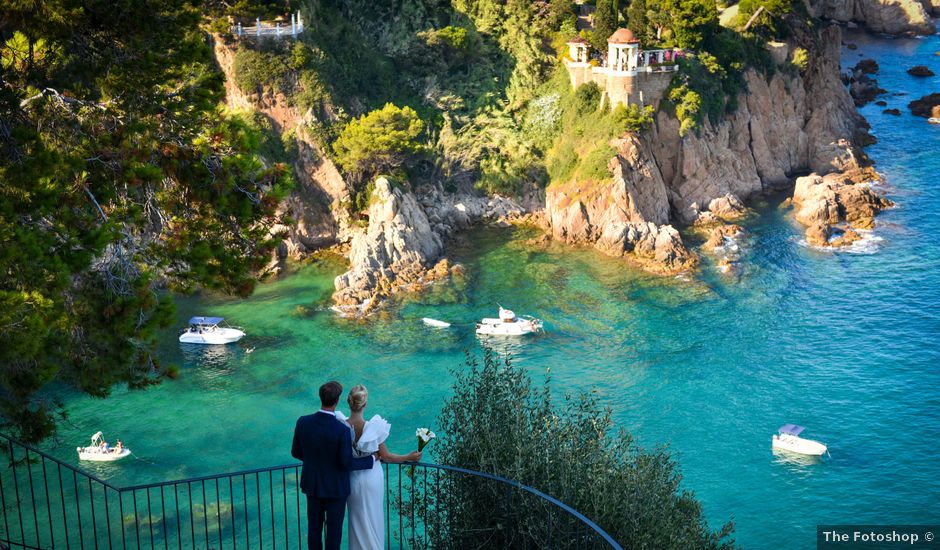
[[897, 17], [784, 126]]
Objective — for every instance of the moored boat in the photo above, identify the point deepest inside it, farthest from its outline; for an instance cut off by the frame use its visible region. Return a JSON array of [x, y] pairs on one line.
[[207, 330], [508, 324], [100, 451], [788, 439]]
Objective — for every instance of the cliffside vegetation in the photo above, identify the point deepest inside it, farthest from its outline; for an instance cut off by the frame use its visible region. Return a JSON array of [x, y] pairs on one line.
[[119, 175]]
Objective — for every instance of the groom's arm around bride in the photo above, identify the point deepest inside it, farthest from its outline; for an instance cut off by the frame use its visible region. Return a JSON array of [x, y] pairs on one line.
[[324, 445]]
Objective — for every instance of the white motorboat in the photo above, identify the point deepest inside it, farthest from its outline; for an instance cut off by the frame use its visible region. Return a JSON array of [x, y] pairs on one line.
[[789, 440], [435, 323], [206, 330], [509, 325], [99, 451]]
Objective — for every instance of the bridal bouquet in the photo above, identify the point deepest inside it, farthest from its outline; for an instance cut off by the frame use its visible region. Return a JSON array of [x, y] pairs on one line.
[[424, 436]]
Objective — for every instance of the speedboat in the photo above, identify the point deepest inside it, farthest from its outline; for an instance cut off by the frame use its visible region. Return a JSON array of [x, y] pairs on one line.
[[789, 440], [508, 324], [206, 330], [99, 451]]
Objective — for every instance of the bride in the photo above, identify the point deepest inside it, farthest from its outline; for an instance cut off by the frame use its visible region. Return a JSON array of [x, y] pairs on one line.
[[367, 487]]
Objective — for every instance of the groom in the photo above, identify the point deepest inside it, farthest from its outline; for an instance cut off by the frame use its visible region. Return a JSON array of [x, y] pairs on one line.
[[324, 445]]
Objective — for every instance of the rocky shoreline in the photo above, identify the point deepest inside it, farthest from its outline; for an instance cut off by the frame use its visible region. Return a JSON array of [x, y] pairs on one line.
[[795, 128]]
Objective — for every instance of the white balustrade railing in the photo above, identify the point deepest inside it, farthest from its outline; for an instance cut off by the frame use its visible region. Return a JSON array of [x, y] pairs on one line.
[[267, 28]]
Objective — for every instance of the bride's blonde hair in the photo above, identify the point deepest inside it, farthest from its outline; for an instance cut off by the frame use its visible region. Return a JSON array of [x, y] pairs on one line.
[[357, 398]]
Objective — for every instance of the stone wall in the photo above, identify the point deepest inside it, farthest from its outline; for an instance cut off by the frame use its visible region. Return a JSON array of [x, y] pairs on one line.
[[622, 87]]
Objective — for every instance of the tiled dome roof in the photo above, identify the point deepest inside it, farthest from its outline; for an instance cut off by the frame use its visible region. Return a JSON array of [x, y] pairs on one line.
[[623, 36]]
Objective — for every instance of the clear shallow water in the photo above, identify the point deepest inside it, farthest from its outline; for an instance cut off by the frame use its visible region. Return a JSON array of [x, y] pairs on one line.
[[843, 343]]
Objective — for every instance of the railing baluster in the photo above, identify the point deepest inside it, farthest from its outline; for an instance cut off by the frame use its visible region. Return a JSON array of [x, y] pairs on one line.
[[192, 518], [258, 494], [78, 512], [107, 517], [231, 501], [45, 484], [245, 497], [388, 515], [3, 501], [136, 518], [176, 502], [94, 520], [32, 497], [271, 496], [121, 510], [166, 539], [150, 517], [284, 492], [401, 517], [205, 513], [16, 486], [218, 511], [297, 492]]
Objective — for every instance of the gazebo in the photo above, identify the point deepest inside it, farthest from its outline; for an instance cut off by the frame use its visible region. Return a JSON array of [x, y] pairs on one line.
[[623, 49], [578, 50]]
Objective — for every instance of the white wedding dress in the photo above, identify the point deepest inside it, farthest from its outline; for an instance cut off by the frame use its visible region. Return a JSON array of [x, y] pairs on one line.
[[366, 490]]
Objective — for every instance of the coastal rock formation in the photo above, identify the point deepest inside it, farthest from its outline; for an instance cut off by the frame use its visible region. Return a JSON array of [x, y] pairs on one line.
[[395, 250], [823, 203], [725, 244], [782, 126], [920, 70], [897, 17], [626, 217], [862, 87], [927, 106]]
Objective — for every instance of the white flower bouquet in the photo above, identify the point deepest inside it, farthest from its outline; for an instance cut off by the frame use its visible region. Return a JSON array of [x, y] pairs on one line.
[[424, 436]]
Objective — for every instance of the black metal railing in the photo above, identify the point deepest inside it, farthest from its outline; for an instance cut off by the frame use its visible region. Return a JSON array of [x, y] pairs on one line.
[[47, 503]]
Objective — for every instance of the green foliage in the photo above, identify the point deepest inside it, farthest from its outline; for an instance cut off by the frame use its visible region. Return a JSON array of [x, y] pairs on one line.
[[770, 22], [605, 23], [800, 59], [688, 108], [121, 178], [497, 421], [256, 69], [633, 118], [379, 142], [561, 13], [594, 165], [587, 98], [694, 22], [637, 20]]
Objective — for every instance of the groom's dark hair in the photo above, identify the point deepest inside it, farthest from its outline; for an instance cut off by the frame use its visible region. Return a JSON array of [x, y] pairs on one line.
[[329, 393]]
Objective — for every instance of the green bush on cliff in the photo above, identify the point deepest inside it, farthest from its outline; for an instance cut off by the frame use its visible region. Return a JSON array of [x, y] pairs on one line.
[[381, 141], [256, 69], [498, 421]]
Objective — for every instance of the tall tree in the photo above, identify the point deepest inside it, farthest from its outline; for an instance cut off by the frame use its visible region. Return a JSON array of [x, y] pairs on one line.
[[119, 174], [637, 21], [605, 23]]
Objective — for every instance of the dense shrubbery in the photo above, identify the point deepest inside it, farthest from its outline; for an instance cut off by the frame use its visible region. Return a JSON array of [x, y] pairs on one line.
[[498, 422], [255, 69]]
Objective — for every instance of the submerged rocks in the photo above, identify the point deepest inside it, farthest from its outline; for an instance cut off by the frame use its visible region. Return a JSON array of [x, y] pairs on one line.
[[895, 112], [927, 106], [822, 202], [920, 70]]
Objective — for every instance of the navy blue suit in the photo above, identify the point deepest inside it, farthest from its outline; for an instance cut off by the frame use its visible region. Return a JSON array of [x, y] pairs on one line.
[[324, 445]]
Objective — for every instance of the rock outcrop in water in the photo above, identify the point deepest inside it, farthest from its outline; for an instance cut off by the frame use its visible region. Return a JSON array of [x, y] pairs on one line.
[[897, 17], [927, 106], [840, 201], [783, 126], [402, 248]]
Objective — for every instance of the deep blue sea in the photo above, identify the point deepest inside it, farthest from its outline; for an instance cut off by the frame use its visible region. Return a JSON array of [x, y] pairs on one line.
[[843, 343]]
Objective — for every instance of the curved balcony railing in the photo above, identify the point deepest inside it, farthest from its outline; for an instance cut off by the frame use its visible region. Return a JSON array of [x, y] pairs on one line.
[[47, 503]]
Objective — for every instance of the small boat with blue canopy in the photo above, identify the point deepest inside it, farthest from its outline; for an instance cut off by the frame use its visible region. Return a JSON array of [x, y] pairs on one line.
[[208, 330], [788, 439]]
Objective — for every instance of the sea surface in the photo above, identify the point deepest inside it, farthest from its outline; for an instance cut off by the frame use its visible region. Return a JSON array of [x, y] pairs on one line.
[[845, 343]]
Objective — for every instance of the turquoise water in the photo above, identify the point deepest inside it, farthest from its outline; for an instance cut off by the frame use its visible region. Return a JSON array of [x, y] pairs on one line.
[[844, 343]]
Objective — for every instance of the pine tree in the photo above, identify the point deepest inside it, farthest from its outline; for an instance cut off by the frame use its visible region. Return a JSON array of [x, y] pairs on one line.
[[637, 22], [605, 23]]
